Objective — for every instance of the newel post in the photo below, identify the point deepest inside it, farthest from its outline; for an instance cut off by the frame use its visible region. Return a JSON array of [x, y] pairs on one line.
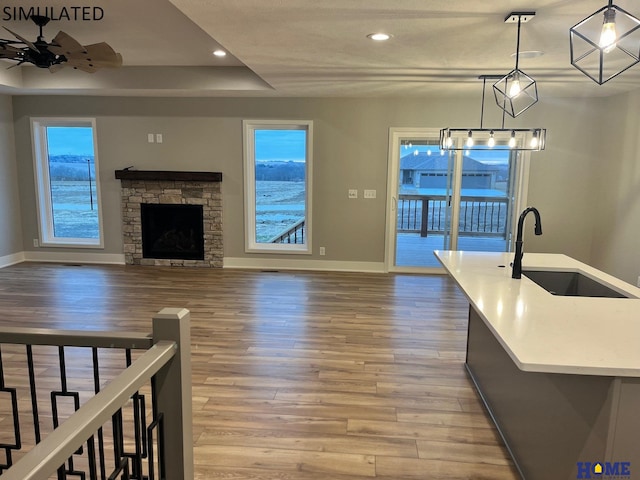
[[173, 392]]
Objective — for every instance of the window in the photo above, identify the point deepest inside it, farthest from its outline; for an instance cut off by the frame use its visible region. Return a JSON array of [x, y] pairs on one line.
[[67, 182], [277, 171]]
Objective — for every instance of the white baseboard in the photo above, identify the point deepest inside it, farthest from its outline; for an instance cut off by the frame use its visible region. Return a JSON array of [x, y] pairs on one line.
[[12, 259], [229, 262], [74, 257], [298, 264]]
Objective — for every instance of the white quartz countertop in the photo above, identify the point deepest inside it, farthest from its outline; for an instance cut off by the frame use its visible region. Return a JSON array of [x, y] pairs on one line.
[[543, 332]]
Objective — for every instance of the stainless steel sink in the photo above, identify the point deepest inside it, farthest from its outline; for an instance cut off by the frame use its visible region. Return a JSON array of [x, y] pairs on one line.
[[571, 283]]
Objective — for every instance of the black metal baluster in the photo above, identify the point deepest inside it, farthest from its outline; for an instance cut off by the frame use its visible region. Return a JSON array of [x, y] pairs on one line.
[[91, 456], [122, 468], [96, 388], [64, 392], [158, 420], [118, 438], [484, 218], [493, 210], [464, 217], [34, 395], [139, 431]]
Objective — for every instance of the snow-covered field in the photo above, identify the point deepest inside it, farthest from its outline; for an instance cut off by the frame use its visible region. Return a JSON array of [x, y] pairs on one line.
[[279, 205], [72, 213]]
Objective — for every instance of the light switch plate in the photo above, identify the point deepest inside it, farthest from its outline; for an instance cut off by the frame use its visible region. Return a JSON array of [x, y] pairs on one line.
[[353, 193], [369, 194]]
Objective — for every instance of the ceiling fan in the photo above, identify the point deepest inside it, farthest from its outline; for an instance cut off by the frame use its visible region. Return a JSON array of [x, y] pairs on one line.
[[63, 50]]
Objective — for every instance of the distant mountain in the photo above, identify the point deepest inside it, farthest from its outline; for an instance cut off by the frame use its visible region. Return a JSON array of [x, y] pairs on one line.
[[70, 158], [280, 171]]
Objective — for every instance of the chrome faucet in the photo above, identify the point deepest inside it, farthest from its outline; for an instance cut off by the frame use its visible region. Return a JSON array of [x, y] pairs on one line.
[[517, 261]]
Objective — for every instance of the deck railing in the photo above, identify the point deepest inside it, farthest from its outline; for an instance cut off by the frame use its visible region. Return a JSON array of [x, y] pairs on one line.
[[479, 215], [293, 234], [109, 432]]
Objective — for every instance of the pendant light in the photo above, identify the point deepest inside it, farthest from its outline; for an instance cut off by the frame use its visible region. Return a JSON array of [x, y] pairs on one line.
[[606, 43], [531, 139], [516, 91]]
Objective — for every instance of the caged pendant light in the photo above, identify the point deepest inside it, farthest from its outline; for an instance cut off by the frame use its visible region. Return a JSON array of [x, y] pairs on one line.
[[531, 139], [606, 43], [516, 91]]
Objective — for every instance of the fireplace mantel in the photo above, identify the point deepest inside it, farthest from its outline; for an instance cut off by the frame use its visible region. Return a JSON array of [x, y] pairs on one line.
[[165, 175]]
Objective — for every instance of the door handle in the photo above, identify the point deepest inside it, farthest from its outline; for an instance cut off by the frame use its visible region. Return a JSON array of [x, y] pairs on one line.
[[394, 204]]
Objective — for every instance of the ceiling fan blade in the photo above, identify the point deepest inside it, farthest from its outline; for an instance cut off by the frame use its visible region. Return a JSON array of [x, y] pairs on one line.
[[15, 65], [102, 54], [96, 56], [8, 51], [82, 64], [65, 44], [23, 40]]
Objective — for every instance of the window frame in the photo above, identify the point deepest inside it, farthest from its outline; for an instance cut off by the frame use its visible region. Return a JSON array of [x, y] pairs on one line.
[[249, 128], [44, 203]]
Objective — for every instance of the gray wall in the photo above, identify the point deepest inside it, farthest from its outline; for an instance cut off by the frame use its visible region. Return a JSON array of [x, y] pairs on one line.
[[616, 233], [350, 151], [11, 226]]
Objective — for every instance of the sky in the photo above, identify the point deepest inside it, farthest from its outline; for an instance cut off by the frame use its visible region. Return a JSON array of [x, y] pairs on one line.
[[70, 141], [280, 145]]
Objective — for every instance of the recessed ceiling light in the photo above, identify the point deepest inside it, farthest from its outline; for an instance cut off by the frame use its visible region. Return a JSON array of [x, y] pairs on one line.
[[220, 53], [379, 37]]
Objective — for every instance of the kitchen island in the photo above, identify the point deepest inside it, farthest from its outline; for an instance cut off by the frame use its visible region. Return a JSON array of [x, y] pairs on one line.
[[560, 375]]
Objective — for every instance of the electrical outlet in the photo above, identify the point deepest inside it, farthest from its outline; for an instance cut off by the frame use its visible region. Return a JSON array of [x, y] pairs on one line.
[[353, 193], [151, 138], [158, 138], [36, 243], [322, 251]]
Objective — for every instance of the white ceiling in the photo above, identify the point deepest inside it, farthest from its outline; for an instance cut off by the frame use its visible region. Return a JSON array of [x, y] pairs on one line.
[[313, 47]]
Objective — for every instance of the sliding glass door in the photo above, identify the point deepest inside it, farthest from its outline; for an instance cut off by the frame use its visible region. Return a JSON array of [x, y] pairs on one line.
[[459, 200]]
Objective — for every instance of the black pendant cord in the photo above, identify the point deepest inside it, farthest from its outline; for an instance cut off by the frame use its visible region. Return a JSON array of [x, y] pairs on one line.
[[518, 40]]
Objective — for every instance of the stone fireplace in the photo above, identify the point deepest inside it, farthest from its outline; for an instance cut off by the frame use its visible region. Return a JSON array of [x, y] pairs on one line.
[[177, 214]]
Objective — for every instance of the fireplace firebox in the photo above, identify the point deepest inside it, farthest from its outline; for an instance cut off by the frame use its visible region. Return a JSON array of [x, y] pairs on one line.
[[172, 231]]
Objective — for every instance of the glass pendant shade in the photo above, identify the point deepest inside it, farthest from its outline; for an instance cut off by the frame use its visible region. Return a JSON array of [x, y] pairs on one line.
[[515, 92], [606, 43]]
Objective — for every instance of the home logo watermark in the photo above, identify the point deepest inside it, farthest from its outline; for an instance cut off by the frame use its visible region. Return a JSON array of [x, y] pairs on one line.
[[604, 470]]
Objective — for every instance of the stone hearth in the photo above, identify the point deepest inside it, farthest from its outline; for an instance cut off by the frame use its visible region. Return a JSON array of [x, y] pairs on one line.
[[189, 188]]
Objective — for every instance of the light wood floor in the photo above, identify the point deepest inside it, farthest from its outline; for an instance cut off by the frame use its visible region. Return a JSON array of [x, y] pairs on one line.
[[296, 376]]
